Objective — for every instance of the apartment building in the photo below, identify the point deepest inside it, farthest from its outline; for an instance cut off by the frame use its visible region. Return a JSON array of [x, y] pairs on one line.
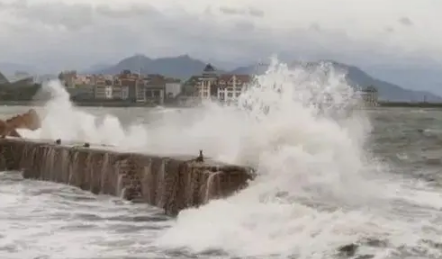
[[67, 78], [103, 86], [172, 88], [207, 84], [131, 86], [155, 89], [230, 87], [80, 80], [222, 87], [82, 92], [126, 86]]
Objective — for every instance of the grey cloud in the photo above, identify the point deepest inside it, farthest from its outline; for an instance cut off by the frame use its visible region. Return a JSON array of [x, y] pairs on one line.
[[250, 11], [231, 10], [72, 17], [315, 27], [132, 10], [389, 29], [106, 33], [208, 10], [151, 33], [405, 21], [245, 26], [256, 12]]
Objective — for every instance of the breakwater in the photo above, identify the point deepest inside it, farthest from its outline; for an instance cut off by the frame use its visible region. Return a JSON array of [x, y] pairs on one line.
[[172, 183]]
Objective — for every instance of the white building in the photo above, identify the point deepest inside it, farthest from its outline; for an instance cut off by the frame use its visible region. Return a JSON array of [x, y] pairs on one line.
[[103, 88], [173, 88], [224, 87], [108, 92], [230, 87]]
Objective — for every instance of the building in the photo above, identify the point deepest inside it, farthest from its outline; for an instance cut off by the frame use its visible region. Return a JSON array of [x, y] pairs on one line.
[[82, 92], [67, 78], [172, 88], [222, 87], [155, 89], [130, 87], [230, 87], [82, 80], [370, 96], [140, 91], [117, 89], [207, 84], [103, 86], [190, 87]]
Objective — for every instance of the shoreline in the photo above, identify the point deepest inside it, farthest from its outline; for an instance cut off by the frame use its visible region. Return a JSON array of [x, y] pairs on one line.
[[116, 104], [410, 105], [91, 104]]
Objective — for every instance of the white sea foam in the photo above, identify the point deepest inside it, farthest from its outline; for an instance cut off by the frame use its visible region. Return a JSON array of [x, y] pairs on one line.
[[317, 187]]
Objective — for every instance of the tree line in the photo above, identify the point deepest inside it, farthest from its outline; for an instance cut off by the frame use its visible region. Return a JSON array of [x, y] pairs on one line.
[[18, 92]]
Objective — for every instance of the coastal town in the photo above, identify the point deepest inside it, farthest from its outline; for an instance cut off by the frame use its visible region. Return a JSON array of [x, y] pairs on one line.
[[128, 87], [154, 89]]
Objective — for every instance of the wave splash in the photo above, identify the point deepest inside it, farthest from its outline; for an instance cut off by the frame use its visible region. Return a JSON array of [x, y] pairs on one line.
[[317, 187], [313, 176]]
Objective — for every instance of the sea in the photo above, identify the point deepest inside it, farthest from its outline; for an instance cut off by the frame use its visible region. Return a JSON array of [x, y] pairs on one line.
[[326, 177]]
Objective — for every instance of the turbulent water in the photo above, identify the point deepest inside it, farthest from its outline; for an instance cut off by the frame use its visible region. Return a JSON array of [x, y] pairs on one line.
[[326, 178]]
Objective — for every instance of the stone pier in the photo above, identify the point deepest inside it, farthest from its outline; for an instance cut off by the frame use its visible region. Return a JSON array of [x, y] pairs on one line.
[[172, 183]]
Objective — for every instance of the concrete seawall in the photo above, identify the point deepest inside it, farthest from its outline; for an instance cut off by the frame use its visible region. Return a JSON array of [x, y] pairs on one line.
[[171, 183]]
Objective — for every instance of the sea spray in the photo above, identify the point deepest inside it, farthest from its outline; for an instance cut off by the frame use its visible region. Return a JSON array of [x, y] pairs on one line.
[[312, 192], [62, 120], [315, 188]]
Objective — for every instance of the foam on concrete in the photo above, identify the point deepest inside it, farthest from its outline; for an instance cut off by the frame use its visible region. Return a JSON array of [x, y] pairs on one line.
[[172, 183]]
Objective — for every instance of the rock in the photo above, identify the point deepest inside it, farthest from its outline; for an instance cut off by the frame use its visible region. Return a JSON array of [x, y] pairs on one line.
[[29, 120]]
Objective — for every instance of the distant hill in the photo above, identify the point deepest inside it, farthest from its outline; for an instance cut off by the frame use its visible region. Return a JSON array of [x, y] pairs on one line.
[[96, 67], [184, 67], [181, 67], [356, 77], [8, 68], [3, 79]]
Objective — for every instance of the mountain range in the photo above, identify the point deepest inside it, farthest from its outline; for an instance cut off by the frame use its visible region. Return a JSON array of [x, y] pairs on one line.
[[185, 66]]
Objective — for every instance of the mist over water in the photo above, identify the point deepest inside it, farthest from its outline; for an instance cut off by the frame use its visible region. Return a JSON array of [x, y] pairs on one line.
[[318, 187]]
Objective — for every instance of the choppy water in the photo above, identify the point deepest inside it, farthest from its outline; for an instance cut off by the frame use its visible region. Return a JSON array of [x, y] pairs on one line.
[[372, 178]]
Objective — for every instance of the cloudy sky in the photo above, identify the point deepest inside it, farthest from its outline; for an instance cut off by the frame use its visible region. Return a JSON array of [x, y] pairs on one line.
[[80, 33]]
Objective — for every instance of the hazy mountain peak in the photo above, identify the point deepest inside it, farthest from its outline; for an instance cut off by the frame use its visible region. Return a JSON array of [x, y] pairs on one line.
[[135, 58]]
